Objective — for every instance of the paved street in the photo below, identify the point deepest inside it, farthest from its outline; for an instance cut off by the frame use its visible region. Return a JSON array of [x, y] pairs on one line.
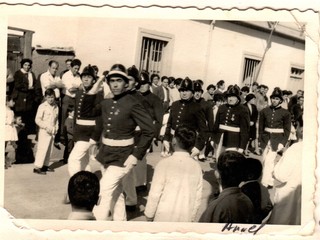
[[33, 196]]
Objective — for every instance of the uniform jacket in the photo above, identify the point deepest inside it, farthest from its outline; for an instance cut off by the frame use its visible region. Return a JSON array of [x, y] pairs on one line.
[[277, 118], [118, 121], [22, 96], [157, 111], [176, 189], [190, 114], [87, 107], [232, 116]]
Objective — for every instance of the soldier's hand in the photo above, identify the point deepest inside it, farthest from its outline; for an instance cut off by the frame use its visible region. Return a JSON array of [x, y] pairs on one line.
[[280, 147], [194, 152], [166, 145], [240, 150], [130, 163]]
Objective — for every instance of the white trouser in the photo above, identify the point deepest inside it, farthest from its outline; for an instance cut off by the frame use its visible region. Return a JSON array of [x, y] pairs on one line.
[[79, 158], [268, 159], [44, 149], [111, 195]]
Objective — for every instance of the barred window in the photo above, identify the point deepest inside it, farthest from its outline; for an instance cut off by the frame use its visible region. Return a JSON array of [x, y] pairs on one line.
[[152, 54], [251, 68]]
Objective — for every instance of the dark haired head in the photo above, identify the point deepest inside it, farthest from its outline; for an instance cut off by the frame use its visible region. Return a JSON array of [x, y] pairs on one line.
[[211, 86], [253, 169], [68, 60], [52, 62], [255, 84], [75, 62], [218, 97], [163, 78], [134, 73], [245, 89], [70, 108], [231, 168], [83, 190], [220, 83], [153, 76], [25, 60], [49, 92], [186, 137], [177, 81]]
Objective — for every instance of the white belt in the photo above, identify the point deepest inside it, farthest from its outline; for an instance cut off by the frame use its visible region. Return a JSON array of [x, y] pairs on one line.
[[229, 128], [118, 143], [274, 130], [86, 122]]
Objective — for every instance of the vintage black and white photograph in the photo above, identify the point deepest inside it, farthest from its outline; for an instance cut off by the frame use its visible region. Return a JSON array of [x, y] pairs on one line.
[[183, 123]]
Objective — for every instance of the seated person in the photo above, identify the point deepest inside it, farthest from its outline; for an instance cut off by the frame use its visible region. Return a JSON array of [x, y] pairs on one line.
[[232, 206], [83, 191], [258, 193]]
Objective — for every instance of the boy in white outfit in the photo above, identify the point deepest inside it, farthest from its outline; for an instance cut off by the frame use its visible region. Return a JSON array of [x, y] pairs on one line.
[[47, 121]]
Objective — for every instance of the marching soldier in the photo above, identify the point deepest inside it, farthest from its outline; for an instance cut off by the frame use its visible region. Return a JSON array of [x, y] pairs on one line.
[[189, 113], [118, 152], [86, 109], [232, 123], [274, 131]]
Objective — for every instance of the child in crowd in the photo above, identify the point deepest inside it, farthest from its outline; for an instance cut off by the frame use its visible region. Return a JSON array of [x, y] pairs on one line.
[[258, 193], [10, 133], [176, 188], [47, 120], [24, 152], [83, 191], [232, 206], [68, 133]]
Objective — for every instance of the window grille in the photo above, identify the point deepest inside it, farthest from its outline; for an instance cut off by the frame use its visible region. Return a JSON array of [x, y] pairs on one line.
[[151, 56], [251, 68]]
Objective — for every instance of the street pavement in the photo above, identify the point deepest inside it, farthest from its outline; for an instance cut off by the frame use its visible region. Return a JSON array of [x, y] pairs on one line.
[[32, 196]]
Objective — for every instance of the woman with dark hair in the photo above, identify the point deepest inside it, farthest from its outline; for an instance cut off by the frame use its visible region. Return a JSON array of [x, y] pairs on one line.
[[176, 188], [23, 94]]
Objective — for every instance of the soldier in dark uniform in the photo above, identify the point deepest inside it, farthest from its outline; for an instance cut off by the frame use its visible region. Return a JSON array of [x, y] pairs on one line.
[[207, 108], [86, 109], [189, 113], [232, 123], [119, 152], [274, 131]]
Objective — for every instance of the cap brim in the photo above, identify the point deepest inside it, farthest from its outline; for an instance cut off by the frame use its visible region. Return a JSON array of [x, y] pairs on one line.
[[116, 73]]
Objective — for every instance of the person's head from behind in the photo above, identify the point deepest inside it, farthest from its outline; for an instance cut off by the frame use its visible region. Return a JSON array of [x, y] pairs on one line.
[[83, 190], [50, 96], [230, 168], [184, 138], [252, 169]]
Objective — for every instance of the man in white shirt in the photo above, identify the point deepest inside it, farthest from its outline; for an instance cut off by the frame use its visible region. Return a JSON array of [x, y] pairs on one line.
[[71, 82]]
